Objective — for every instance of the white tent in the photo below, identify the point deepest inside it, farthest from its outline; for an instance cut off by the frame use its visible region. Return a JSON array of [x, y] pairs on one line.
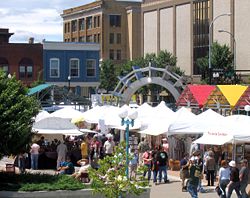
[[214, 138], [54, 125], [41, 115], [67, 112]]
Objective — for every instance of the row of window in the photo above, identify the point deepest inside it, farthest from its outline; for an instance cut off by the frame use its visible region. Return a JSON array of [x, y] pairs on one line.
[[115, 56], [90, 38], [74, 68], [115, 38], [80, 24], [25, 71], [90, 22]]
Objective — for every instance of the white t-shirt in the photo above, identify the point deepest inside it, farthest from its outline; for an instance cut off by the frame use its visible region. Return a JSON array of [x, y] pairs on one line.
[[109, 147], [84, 168], [224, 173], [34, 149]]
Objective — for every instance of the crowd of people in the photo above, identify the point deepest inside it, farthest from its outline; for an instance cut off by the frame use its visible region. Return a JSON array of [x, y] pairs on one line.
[[229, 178]]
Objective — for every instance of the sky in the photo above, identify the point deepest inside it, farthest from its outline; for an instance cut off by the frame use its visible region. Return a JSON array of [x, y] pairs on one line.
[[35, 18]]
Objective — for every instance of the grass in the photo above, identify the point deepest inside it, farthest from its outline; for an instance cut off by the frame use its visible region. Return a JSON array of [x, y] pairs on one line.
[[38, 182]]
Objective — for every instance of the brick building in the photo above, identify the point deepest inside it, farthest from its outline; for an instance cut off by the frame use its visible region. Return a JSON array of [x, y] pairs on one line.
[[25, 60], [113, 24]]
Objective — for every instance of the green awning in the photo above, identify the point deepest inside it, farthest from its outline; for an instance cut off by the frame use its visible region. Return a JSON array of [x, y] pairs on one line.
[[38, 88]]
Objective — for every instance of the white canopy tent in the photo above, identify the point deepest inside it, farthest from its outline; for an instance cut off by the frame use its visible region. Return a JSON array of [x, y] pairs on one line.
[[67, 112], [54, 125]]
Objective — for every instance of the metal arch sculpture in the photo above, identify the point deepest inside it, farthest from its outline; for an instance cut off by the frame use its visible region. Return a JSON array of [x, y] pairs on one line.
[[140, 77]]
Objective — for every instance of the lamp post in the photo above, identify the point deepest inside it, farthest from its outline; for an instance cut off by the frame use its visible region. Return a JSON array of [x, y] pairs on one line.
[[247, 109], [128, 120], [234, 50], [69, 78], [209, 46]]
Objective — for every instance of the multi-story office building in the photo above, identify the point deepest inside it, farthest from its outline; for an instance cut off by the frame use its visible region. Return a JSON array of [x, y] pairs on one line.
[[25, 60], [182, 27], [113, 24]]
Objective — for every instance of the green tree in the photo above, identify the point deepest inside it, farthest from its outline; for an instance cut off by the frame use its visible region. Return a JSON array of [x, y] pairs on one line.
[[16, 112], [108, 76], [110, 179], [221, 58]]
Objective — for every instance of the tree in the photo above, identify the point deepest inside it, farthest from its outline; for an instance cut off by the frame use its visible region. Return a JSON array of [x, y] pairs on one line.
[[108, 76], [16, 112], [221, 60], [110, 179]]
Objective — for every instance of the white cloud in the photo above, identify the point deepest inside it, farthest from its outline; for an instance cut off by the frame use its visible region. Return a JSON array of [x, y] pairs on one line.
[[35, 18]]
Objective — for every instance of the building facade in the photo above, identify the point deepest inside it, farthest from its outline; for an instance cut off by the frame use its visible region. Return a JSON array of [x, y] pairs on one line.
[[182, 28], [113, 24], [72, 65], [25, 60]]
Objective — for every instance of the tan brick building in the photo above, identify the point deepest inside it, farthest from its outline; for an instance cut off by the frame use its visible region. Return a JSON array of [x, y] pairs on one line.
[[182, 27], [113, 24]]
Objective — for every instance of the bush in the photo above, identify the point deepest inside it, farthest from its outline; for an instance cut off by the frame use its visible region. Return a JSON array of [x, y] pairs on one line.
[[38, 182]]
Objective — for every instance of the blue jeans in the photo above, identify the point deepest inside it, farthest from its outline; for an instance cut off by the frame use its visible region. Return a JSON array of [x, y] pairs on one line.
[[148, 166], [34, 161], [192, 189], [155, 173], [163, 169], [243, 186]]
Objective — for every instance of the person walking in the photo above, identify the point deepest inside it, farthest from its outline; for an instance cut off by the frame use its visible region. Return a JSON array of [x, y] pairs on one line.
[[34, 152], [147, 161], [210, 168], [224, 177], [155, 167], [109, 146], [193, 182], [84, 148], [162, 161], [234, 183], [184, 171], [61, 153], [244, 171], [143, 146]]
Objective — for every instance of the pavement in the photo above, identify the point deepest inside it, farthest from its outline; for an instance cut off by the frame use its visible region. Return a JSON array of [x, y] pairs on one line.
[[171, 189]]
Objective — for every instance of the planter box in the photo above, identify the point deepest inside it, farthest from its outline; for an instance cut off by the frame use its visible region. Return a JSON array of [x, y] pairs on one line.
[[86, 193]]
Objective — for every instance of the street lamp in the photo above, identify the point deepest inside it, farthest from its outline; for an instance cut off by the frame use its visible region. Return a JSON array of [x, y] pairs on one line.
[[247, 108], [128, 120], [69, 78], [210, 40], [234, 63]]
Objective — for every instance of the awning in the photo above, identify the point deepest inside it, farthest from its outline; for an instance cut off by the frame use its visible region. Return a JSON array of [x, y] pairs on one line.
[[214, 138], [38, 88], [243, 100], [195, 95]]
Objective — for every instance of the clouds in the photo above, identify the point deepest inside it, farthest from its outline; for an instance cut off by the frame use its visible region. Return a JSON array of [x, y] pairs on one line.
[[35, 18]]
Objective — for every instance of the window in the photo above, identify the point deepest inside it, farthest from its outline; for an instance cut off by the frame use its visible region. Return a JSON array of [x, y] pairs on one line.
[[118, 38], [118, 55], [82, 39], [111, 38], [200, 31], [5, 68], [25, 68], [91, 67], [74, 67], [4, 65], [74, 39], [89, 38], [115, 20], [98, 38], [95, 38], [54, 68], [98, 21], [95, 22], [74, 26], [65, 28], [21, 71], [89, 22], [111, 54], [68, 27], [81, 24]]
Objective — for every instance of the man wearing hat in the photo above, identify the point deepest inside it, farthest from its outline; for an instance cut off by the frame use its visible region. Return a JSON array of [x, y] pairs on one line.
[[244, 171], [234, 183]]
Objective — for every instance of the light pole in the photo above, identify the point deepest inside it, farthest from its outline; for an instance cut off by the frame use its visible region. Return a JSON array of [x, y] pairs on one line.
[[247, 109], [234, 63], [69, 78], [209, 46], [128, 120]]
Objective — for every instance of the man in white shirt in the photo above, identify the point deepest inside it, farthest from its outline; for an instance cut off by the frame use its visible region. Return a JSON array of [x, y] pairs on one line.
[[61, 153], [109, 146]]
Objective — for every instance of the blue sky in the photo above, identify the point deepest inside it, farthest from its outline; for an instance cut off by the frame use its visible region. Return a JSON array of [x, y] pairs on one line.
[[35, 18]]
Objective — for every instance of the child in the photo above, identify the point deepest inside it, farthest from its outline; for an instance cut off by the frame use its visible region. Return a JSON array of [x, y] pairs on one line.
[[133, 164]]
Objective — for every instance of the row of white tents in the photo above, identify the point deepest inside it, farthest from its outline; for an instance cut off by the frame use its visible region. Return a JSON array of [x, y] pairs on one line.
[[216, 129]]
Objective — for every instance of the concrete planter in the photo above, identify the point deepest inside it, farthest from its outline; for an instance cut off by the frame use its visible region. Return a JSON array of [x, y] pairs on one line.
[[86, 193]]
